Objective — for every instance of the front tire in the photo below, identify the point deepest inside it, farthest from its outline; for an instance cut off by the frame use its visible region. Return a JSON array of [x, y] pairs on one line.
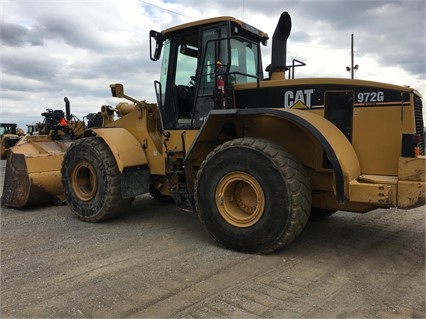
[[252, 195], [91, 181]]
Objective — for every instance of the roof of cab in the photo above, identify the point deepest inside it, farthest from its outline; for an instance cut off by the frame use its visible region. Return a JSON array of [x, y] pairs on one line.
[[204, 22]]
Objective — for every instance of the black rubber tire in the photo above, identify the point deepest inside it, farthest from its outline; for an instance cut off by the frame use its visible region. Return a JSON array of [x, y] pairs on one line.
[[285, 186], [91, 181]]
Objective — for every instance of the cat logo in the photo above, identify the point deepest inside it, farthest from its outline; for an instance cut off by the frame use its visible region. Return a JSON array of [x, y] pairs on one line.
[[300, 99]]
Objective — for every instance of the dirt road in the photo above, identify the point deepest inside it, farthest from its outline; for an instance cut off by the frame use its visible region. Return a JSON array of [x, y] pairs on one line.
[[158, 262]]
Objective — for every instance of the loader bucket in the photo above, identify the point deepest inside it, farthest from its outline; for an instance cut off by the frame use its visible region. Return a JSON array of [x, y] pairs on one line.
[[33, 172]]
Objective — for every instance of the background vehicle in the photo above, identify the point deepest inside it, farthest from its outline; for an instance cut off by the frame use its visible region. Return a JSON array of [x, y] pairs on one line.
[[253, 156], [10, 135], [32, 174], [33, 129]]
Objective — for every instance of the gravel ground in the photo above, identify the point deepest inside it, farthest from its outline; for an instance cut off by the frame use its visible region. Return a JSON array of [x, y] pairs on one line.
[[155, 261]]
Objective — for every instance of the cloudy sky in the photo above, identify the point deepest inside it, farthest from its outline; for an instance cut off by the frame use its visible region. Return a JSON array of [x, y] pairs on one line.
[[76, 48]]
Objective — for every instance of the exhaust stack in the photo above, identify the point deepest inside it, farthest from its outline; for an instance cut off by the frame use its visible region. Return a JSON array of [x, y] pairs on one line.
[[67, 109], [278, 67]]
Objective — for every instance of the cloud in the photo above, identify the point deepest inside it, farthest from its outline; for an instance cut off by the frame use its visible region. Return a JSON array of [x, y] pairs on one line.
[[16, 35], [52, 49]]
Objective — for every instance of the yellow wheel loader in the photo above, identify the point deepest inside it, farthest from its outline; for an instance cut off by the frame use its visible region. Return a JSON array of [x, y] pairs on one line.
[[10, 135], [252, 156], [33, 164]]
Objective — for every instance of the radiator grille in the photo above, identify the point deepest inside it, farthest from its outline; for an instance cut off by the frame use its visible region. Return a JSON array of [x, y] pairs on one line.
[[418, 110]]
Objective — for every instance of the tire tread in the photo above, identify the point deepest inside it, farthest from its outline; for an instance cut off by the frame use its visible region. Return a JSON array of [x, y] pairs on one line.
[[113, 203], [297, 178]]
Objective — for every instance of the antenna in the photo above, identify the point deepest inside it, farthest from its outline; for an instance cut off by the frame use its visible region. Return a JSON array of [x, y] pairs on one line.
[[353, 68], [243, 10]]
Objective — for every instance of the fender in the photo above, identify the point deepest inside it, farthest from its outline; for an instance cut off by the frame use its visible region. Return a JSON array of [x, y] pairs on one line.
[[130, 157], [124, 146], [339, 151]]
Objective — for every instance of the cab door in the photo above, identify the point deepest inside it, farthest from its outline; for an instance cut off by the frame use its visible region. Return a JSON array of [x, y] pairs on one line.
[[211, 52]]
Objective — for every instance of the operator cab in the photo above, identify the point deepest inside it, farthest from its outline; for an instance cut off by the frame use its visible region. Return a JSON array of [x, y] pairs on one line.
[[201, 63]]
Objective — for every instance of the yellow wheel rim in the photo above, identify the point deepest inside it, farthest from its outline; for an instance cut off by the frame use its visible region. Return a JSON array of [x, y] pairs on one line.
[[84, 181], [240, 199]]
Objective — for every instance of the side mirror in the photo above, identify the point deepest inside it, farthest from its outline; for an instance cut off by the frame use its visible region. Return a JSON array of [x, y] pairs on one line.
[[158, 37], [117, 90]]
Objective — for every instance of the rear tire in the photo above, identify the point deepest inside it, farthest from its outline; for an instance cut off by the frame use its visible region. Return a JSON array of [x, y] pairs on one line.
[[252, 195], [91, 181]]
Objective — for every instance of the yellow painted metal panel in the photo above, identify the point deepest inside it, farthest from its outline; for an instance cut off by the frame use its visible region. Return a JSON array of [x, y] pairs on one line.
[[412, 168], [378, 179], [176, 139], [345, 153], [376, 140], [411, 193], [204, 22], [33, 172], [380, 194], [44, 162], [313, 81], [126, 149]]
